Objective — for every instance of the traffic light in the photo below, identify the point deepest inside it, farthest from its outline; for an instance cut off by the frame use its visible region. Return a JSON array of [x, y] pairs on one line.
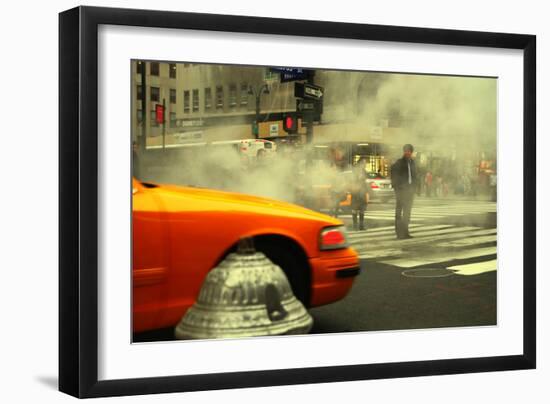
[[290, 123], [159, 113]]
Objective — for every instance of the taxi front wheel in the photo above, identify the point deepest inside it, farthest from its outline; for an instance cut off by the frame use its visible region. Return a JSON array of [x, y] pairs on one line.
[[292, 261]]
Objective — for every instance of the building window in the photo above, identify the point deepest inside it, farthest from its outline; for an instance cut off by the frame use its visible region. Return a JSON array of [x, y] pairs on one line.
[[219, 97], [154, 118], [139, 115], [139, 93], [172, 96], [207, 98], [155, 94], [172, 119], [139, 66], [186, 101], [232, 95], [154, 68], [244, 94], [195, 100], [172, 69]]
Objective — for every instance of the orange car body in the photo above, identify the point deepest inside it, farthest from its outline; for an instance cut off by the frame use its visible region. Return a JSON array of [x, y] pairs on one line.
[[181, 233]]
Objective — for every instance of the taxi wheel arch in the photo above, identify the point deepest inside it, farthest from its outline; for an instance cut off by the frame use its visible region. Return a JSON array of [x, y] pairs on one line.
[[290, 256]]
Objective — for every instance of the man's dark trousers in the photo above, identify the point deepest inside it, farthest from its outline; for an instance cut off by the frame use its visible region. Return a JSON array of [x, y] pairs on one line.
[[404, 196]]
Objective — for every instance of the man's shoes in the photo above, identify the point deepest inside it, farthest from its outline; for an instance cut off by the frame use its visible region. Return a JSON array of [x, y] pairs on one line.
[[407, 236]]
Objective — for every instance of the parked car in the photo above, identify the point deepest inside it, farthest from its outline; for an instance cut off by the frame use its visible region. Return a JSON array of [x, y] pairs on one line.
[[181, 233], [380, 187]]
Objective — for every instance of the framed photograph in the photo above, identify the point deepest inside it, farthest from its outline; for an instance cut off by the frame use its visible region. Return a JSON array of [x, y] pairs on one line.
[[250, 201]]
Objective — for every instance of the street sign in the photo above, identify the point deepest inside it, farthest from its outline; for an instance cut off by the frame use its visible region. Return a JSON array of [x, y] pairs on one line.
[[274, 129], [291, 73], [304, 106], [309, 91], [188, 137]]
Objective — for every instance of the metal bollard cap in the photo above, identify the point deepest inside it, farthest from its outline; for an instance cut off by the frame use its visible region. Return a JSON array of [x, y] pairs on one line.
[[246, 246]]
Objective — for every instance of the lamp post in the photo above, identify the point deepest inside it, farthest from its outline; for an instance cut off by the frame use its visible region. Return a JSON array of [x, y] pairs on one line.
[[257, 93]]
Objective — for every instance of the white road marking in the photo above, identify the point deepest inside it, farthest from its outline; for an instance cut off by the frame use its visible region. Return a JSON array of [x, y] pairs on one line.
[[420, 237], [444, 234], [463, 242], [413, 219], [475, 268], [433, 259], [469, 241], [427, 210], [387, 230]]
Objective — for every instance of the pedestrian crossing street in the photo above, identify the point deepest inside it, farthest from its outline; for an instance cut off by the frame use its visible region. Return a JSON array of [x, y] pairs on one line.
[[429, 209], [431, 245]]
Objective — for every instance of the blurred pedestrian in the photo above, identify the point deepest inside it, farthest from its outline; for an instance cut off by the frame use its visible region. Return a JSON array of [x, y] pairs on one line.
[[428, 179], [403, 177], [359, 196], [338, 191]]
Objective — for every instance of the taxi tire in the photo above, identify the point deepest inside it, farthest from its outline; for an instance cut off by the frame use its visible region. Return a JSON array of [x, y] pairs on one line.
[[292, 260]]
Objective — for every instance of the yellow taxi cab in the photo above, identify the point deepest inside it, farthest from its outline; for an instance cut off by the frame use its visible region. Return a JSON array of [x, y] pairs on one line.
[[181, 233]]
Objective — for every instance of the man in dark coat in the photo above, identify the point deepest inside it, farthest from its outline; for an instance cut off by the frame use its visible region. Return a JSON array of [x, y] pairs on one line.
[[403, 178]]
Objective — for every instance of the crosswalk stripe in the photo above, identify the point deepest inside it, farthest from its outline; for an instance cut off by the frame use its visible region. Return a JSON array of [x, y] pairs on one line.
[[420, 214], [376, 230], [449, 211], [420, 237], [455, 207], [437, 258], [392, 214], [371, 250], [413, 219], [389, 216], [469, 241], [475, 268], [456, 233], [391, 230], [431, 243], [437, 212]]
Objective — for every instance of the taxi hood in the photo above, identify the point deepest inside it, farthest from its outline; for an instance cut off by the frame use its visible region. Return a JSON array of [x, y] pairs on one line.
[[217, 198]]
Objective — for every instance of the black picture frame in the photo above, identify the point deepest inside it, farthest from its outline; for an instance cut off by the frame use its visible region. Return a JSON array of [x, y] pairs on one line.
[[78, 200]]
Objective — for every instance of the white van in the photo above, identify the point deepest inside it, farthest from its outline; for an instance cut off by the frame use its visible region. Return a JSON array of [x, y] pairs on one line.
[[249, 147]]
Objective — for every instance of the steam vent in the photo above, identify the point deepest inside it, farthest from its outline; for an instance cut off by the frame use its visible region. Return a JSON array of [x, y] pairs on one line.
[[245, 296]]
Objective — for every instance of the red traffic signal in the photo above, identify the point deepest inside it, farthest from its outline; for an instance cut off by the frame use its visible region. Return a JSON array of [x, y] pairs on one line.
[[159, 114], [290, 123]]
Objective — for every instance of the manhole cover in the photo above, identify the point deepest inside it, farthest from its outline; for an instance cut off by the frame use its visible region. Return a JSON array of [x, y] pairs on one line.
[[428, 273]]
